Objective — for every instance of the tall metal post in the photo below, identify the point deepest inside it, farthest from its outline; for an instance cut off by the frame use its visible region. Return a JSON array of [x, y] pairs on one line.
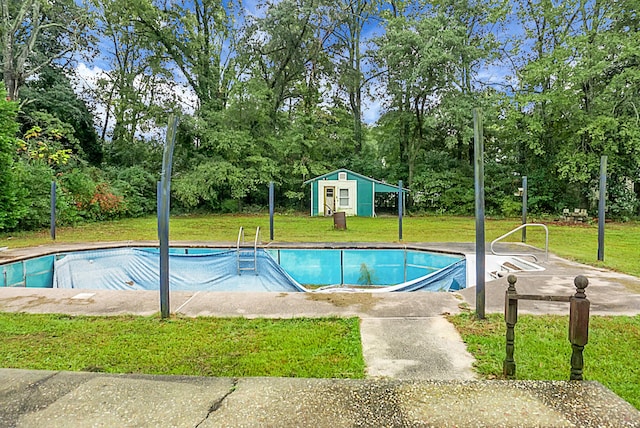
[[271, 209], [400, 204], [53, 210], [524, 208], [164, 190], [479, 193], [602, 206], [159, 205]]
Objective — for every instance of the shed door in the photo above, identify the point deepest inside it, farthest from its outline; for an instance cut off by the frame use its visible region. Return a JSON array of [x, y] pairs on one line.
[[329, 200]]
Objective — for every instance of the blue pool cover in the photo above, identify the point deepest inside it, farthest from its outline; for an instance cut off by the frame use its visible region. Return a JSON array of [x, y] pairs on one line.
[[138, 269]]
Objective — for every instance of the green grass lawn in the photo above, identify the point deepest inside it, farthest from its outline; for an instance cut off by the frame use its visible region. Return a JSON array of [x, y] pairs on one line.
[[576, 242], [234, 347], [542, 349], [543, 352]]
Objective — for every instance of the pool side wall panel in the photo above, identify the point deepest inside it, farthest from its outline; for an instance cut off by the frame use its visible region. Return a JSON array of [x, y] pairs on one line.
[[30, 273], [320, 267]]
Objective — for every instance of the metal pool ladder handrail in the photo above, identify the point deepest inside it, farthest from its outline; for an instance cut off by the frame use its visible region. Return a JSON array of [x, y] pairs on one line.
[[246, 256], [240, 237], [546, 243], [255, 241]]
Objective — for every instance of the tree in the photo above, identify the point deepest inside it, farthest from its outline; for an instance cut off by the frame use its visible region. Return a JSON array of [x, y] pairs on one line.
[[35, 34], [51, 92], [421, 61], [348, 19], [478, 51], [283, 52], [576, 99], [197, 37], [138, 90]]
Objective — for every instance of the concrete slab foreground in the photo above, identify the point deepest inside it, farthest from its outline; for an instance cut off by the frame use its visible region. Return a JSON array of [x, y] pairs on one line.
[[63, 399], [56, 399]]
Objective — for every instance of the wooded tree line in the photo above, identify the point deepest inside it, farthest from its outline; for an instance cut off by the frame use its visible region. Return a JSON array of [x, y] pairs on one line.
[[281, 95]]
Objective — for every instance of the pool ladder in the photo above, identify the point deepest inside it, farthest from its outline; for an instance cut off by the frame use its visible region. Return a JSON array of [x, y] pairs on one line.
[[246, 253]]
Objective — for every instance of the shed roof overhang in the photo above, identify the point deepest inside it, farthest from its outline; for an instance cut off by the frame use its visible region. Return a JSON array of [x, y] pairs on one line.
[[379, 186]]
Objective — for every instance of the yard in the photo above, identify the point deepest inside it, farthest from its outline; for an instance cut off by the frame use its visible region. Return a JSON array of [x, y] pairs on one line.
[[542, 348]]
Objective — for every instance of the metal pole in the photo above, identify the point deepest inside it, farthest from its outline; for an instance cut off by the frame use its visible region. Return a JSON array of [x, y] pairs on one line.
[[479, 193], [159, 205], [163, 214], [602, 206], [271, 209], [53, 210], [524, 208], [400, 203]]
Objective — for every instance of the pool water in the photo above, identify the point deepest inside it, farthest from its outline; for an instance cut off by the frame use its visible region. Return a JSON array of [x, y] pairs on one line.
[[320, 267]]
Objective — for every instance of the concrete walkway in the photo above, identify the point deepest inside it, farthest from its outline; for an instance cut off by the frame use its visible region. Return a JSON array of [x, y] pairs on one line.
[[419, 372]]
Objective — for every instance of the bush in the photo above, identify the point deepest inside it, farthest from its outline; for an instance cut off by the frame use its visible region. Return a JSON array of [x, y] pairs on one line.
[[35, 180], [138, 189], [86, 195], [229, 206], [11, 208], [449, 192], [622, 201]]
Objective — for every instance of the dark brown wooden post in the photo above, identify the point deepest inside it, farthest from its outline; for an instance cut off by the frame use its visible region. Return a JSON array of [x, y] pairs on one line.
[[511, 318], [578, 326]]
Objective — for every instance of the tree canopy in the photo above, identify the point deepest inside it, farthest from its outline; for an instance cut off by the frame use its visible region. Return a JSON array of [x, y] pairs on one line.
[[293, 89]]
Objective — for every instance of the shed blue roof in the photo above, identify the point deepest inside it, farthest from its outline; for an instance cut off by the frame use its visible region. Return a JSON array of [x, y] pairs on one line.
[[380, 186]]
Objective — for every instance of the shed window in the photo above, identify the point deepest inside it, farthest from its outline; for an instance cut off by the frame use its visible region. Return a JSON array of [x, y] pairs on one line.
[[342, 176], [344, 198]]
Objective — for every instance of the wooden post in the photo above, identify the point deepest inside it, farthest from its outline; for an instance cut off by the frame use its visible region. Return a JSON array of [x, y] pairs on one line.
[[578, 323], [511, 318], [578, 326]]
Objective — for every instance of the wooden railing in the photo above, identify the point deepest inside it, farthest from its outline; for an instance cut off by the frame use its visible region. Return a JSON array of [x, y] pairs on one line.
[[578, 323]]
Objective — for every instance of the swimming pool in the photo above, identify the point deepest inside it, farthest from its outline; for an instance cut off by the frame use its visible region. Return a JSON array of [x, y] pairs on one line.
[[216, 269]]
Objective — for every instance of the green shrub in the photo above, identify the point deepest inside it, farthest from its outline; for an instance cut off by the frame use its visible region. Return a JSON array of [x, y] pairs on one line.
[[444, 192], [35, 180], [138, 189], [11, 208], [229, 206]]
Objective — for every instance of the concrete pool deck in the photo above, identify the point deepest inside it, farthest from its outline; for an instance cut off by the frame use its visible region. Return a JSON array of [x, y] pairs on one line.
[[419, 373]]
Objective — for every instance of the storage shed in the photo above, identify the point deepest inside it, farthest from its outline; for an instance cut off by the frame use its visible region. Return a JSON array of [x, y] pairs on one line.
[[346, 191]]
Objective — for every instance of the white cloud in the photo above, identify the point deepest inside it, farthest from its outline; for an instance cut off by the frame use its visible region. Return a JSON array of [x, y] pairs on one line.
[[87, 77]]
